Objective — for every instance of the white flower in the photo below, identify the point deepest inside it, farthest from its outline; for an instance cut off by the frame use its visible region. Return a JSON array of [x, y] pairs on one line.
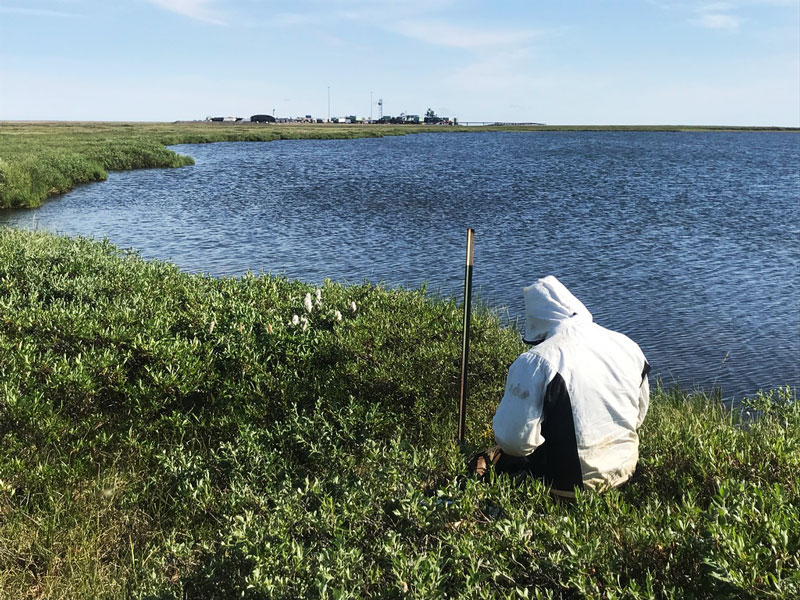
[[318, 294], [295, 320], [337, 315], [304, 321], [353, 306], [307, 303]]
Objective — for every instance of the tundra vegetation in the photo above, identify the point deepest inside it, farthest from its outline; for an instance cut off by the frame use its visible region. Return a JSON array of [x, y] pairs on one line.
[[170, 435], [38, 160]]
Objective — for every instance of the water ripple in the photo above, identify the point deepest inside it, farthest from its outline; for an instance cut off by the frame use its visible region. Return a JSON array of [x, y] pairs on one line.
[[687, 242]]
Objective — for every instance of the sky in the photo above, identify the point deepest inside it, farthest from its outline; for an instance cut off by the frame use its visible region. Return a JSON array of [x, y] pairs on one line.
[[549, 61]]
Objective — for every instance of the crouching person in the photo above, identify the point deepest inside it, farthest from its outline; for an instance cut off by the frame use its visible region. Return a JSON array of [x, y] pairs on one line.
[[573, 402]]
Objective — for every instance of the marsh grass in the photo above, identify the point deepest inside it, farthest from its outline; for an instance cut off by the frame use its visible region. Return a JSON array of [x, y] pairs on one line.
[[38, 160], [167, 435]]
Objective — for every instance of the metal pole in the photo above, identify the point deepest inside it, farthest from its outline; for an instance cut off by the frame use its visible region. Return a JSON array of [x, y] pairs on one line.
[[462, 399], [329, 104]]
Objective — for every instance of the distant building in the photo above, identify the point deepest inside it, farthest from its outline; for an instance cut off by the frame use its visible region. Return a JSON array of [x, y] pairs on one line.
[[431, 118], [262, 119]]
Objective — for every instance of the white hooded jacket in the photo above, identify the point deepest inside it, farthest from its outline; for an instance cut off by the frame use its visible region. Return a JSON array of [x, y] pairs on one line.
[[574, 401]]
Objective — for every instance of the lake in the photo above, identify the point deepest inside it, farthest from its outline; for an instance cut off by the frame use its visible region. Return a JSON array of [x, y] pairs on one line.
[[687, 242]]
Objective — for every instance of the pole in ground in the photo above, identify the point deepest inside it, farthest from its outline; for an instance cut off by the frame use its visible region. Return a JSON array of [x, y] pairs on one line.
[[462, 399]]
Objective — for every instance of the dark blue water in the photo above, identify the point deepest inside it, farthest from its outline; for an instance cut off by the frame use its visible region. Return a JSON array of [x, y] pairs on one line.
[[687, 242]]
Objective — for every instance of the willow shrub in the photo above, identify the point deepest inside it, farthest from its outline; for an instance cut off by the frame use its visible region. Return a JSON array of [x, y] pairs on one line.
[[167, 435]]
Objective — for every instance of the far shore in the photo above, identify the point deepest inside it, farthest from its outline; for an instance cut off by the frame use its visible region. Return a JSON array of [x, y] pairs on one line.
[[487, 126], [39, 159]]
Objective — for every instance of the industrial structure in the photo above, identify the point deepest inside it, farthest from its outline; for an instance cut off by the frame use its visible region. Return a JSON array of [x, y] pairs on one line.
[[430, 118]]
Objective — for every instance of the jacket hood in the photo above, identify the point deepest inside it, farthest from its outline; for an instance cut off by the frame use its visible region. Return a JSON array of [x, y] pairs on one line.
[[548, 304]]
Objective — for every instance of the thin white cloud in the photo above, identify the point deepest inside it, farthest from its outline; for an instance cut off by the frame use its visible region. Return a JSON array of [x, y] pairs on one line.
[[302, 12], [717, 7], [393, 7], [497, 73], [290, 19], [780, 3], [455, 36], [721, 6], [717, 15], [201, 10], [425, 26], [720, 14], [717, 21], [37, 12]]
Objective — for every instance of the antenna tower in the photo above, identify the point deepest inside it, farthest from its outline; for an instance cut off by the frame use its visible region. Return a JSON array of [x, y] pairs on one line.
[[380, 108]]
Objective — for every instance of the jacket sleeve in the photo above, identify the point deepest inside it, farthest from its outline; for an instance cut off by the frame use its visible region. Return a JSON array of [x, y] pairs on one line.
[[517, 422], [644, 395]]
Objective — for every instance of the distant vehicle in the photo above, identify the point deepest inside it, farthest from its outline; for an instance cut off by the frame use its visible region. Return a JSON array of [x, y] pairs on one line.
[[262, 119]]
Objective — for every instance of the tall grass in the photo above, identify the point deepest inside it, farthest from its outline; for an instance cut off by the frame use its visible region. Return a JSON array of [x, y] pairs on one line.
[[167, 435]]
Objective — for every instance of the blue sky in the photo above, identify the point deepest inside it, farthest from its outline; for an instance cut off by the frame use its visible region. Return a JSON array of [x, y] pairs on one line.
[[557, 62]]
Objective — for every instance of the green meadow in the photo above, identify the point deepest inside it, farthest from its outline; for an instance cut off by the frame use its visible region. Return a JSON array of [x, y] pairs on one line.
[[38, 160], [170, 435]]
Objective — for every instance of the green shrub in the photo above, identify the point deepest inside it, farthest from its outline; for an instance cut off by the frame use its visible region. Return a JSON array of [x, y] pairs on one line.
[[167, 435]]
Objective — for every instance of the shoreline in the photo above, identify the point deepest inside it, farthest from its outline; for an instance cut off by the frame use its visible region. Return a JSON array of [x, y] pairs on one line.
[[39, 160]]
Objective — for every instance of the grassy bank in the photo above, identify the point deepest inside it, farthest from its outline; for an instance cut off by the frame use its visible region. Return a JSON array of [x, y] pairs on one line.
[[41, 159], [38, 160], [165, 435]]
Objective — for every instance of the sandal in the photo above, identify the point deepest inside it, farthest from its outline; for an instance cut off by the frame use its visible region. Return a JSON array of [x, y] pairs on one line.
[[502, 462], [480, 463]]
